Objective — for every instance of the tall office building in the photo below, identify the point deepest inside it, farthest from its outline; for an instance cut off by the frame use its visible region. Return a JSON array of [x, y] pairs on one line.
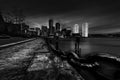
[[38, 31], [57, 29], [57, 26], [50, 23], [75, 29], [44, 31], [51, 28], [85, 29]]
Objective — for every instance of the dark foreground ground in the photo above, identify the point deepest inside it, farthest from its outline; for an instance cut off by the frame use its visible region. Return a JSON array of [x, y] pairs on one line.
[[33, 61]]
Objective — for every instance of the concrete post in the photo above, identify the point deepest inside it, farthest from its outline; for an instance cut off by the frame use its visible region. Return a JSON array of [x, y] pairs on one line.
[[77, 48]]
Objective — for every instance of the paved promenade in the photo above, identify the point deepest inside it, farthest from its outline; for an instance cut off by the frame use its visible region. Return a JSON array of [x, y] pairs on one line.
[[33, 61]]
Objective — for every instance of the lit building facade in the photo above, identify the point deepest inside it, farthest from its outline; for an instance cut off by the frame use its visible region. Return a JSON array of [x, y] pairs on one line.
[[76, 30], [85, 30]]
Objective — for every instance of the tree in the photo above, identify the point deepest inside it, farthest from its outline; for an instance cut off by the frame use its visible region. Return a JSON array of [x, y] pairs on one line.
[[15, 15], [7, 16], [18, 15]]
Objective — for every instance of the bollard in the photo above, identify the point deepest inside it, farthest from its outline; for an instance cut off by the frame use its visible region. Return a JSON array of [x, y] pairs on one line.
[[56, 42], [77, 48]]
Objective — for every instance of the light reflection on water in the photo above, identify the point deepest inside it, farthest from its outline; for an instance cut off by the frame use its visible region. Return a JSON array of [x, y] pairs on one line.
[[94, 45]]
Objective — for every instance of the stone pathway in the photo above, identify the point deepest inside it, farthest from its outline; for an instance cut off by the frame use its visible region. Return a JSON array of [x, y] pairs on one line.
[[45, 68], [31, 61], [14, 59]]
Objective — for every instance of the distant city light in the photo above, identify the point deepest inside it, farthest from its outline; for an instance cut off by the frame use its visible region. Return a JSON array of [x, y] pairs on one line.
[[76, 29], [85, 30]]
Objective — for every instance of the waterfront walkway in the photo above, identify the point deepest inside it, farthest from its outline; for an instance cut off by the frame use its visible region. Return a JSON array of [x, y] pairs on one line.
[[32, 61]]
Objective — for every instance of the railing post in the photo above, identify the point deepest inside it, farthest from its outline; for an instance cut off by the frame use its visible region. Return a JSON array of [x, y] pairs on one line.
[[56, 42], [77, 48]]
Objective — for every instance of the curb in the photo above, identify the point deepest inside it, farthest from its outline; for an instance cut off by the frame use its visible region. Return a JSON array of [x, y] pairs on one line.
[[15, 43]]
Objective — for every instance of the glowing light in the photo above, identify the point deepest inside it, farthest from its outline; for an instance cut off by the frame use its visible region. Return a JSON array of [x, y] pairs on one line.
[[76, 29], [85, 30]]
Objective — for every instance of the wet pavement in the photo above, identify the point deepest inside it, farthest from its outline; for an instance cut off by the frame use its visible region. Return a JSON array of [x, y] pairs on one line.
[[33, 61]]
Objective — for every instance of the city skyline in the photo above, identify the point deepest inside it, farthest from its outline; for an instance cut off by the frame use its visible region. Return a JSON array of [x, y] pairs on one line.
[[102, 16]]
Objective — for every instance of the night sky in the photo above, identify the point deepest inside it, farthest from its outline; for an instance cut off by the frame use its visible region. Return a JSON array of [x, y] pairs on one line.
[[103, 16]]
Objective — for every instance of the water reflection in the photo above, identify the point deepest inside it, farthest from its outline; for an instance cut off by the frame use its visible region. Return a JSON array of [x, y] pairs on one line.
[[93, 45]]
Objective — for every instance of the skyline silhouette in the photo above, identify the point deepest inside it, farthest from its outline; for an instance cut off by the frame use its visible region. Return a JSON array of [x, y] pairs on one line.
[[102, 16]]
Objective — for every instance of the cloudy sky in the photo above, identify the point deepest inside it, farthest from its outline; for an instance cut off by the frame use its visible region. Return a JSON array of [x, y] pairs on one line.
[[103, 16]]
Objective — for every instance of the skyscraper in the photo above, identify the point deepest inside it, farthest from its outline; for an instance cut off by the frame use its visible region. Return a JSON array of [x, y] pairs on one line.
[[57, 26], [51, 28], [44, 31], [50, 23], [75, 29], [85, 29]]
